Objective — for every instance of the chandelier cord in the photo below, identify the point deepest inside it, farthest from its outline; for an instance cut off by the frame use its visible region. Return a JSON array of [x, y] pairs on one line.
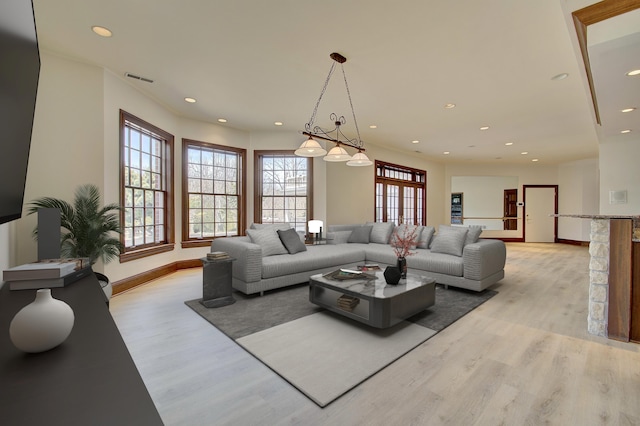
[[324, 88], [353, 112]]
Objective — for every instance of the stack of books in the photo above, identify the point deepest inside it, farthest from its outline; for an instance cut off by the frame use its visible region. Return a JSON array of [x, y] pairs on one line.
[[217, 255], [347, 303], [49, 273]]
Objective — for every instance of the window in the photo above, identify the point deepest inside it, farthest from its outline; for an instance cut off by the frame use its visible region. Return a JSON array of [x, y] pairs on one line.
[[213, 192], [400, 194], [283, 183], [146, 190]]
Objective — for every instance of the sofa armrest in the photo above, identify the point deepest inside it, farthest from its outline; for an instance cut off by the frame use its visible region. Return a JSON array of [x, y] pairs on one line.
[[248, 264], [484, 258]]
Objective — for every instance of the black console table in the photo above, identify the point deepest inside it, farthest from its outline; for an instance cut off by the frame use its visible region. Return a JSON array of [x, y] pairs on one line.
[[90, 379]]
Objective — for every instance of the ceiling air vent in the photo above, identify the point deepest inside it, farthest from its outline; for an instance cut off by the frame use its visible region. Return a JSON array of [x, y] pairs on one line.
[[137, 77]]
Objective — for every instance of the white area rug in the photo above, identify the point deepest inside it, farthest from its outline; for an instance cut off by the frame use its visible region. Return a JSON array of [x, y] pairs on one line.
[[324, 355]]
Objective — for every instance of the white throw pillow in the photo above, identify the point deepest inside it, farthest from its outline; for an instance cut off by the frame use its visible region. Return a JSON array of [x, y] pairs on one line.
[[449, 240], [268, 240]]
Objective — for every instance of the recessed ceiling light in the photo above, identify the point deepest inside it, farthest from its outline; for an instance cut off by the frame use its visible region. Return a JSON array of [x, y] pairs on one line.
[[278, 123], [509, 143], [524, 153], [190, 100], [449, 106], [561, 76], [534, 160], [625, 131], [627, 110], [415, 141], [101, 31], [222, 120], [633, 72], [373, 126], [484, 128], [446, 153]]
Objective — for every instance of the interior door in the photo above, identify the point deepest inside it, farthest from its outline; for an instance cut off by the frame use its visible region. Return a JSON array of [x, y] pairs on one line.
[[539, 203], [510, 209]]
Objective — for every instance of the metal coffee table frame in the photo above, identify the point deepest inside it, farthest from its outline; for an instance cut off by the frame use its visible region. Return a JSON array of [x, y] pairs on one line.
[[381, 305]]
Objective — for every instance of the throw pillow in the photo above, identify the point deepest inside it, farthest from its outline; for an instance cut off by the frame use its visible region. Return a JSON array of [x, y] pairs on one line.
[[338, 237], [380, 232], [403, 231], [474, 234], [360, 235], [291, 241], [449, 240], [268, 240], [425, 236], [274, 226]]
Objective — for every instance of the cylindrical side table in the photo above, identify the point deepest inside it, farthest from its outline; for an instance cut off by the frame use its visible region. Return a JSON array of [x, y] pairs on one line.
[[217, 282]]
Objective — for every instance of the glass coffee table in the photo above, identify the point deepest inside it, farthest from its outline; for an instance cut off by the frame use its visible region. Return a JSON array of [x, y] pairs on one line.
[[373, 301]]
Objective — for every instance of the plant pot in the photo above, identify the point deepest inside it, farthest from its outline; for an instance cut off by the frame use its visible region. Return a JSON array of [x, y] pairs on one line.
[[105, 284]]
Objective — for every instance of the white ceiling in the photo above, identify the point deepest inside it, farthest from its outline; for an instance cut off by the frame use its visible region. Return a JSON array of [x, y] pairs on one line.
[[254, 62]]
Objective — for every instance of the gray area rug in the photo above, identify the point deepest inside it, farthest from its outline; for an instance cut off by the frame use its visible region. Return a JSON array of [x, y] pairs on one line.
[[298, 340], [253, 313]]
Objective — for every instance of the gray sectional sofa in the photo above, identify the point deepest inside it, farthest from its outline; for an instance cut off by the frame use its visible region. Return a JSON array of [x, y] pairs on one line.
[[269, 258]]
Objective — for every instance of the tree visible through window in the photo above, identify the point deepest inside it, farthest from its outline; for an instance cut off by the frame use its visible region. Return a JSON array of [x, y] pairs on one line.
[[283, 183], [400, 194], [213, 191], [147, 186]]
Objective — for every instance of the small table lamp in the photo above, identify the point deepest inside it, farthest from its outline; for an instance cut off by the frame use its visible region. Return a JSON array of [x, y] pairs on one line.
[[315, 227]]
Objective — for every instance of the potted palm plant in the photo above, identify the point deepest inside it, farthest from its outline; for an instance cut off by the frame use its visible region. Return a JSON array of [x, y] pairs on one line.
[[88, 227]]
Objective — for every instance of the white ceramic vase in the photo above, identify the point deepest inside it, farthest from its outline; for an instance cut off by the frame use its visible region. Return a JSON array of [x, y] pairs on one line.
[[43, 324]]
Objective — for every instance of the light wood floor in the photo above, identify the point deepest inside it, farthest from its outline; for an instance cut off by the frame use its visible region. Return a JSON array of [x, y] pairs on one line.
[[522, 358]]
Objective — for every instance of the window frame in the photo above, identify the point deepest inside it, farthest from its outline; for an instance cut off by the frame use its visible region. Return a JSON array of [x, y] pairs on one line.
[[138, 252], [257, 161], [242, 204], [414, 182]]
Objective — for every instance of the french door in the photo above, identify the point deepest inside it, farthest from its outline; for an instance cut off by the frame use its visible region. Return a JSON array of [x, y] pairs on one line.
[[400, 194]]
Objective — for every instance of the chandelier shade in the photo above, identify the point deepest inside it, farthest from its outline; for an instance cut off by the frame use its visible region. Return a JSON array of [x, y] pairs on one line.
[[336, 154], [359, 159], [311, 148]]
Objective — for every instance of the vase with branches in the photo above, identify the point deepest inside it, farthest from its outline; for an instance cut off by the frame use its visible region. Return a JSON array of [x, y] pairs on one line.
[[403, 240]]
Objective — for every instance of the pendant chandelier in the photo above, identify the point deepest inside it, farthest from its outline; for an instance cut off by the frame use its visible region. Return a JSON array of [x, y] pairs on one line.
[[311, 147]]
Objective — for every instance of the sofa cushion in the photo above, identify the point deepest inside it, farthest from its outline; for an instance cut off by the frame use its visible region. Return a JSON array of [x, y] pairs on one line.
[[449, 240], [426, 236], [268, 240], [439, 263], [316, 257], [291, 241], [381, 232], [360, 235]]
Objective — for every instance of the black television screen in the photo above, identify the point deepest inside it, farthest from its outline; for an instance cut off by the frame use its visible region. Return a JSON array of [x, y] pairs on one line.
[[19, 73]]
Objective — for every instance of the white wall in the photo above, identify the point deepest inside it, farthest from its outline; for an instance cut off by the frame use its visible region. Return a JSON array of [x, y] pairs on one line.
[[351, 190], [67, 138], [619, 171], [578, 193]]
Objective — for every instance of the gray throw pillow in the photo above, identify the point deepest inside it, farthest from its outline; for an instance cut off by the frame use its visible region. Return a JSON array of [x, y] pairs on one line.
[[380, 232], [338, 237], [291, 241], [403, 231], [449, 240], [268, 240], [474, 234], [360, 235], [425, 236]]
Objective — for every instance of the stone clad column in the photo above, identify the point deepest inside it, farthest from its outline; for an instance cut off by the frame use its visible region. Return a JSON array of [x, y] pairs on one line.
[[598, 277]]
